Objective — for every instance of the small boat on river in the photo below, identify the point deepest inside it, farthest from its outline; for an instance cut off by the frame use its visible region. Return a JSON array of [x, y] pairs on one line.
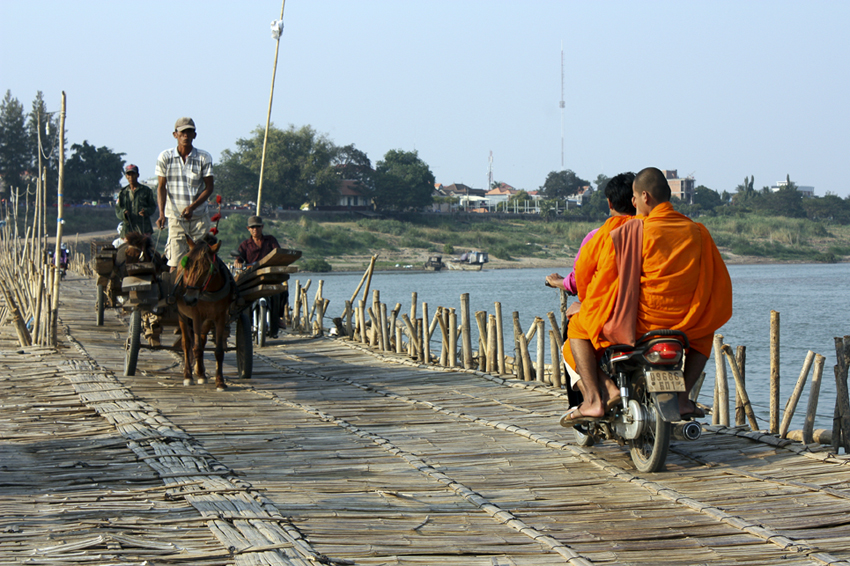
[[470, 261], [434, 263]]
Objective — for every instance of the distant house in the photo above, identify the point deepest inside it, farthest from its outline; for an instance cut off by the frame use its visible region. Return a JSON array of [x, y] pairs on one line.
[[500, 193], [681, 188], [580, 197], [350, 197], [466, 197], [805, 190]]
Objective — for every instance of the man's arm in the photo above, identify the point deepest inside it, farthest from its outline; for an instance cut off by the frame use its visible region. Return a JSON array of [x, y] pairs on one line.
[[161, 195], [148, 202], [201, 199], [119, 206]]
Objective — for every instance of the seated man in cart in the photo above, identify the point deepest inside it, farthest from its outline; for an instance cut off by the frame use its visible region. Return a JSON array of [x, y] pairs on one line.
[[658, 270], [251, 251]]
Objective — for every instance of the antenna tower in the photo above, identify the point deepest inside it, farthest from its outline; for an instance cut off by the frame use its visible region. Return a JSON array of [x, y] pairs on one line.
[[490, 172], [562, 105]]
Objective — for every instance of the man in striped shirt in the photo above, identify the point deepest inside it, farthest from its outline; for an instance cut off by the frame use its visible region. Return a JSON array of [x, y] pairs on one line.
[[185, 183]]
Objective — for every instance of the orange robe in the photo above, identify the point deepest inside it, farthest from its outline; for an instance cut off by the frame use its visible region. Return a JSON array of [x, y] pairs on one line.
[[684, 284], [596, 283]]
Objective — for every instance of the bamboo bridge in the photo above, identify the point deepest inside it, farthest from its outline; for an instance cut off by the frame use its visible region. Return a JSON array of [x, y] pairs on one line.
[[334, 454]]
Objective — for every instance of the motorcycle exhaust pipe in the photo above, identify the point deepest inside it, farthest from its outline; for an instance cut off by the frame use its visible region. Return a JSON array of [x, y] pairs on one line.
[[690, 430]]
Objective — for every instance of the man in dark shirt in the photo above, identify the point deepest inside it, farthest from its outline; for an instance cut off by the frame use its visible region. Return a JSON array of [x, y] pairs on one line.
[[253, 250], [257, 246]]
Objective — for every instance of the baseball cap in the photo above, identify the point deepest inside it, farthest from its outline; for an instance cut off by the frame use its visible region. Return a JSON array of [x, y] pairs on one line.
[[184, 124], [255, 221], [131, 169]]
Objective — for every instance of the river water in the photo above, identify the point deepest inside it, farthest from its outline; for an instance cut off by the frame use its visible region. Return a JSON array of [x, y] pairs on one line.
[[813, 302]]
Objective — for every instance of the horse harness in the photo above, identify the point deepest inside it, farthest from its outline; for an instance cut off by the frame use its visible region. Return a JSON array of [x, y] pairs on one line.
[[218, 266]]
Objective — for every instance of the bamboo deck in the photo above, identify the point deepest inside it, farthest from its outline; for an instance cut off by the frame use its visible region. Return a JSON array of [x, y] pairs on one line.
[[332, 454]]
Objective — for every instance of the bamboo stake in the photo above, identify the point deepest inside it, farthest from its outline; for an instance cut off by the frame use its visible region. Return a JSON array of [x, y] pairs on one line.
[[60, 202], [452, 338], [426, 335], [413, 341], [442, 318], [526, 358], [362, 279], [555, 352], [541, 349], [814, 392], [399, 347], [741, 360], [791, 405], [518, 361], [347, 315], [739, 387], [500, 339], [375, 330], [369, 276], [720, 415], [466, 333], [841, 422], [481, 320], [385, 338], [774, 371], [492, 345], [361, 313]]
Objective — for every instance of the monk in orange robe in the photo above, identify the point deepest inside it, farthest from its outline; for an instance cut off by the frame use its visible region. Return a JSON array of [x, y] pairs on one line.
[[679, 282]]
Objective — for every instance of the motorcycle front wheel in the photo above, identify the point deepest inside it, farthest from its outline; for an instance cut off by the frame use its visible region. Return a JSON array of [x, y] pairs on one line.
[[649, 450]]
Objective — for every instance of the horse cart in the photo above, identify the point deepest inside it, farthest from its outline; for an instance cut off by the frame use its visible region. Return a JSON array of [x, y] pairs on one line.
[[150, 292]]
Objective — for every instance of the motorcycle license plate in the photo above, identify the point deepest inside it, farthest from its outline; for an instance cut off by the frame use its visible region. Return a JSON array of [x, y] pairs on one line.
[[658, 381]]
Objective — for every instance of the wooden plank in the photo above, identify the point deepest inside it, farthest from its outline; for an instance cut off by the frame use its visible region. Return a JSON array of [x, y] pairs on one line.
[[279, 256], [131, 283], [262, 291], [281, 272]]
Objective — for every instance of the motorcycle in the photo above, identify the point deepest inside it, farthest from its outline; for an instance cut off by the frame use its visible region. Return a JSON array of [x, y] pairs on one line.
[[650, 376]]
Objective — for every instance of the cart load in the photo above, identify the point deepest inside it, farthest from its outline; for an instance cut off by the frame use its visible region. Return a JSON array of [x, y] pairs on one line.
[[267, 277]]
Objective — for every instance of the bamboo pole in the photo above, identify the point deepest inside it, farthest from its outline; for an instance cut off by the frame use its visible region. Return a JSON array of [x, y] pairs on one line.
[[347, 315], [452, 338], [841, 422], [555, 353], [814, 392], [385, 337], [426, 335], [269, 113], [362, 279], [413, 341], [369, 276], [60, 203], [720, 414], [500, 339], [518, 359], [791, 405], [481, 320], [442, 318], [399, 347], [739, 387], [741, 360], [541, 349], [376, 332], [466, 331], [296, 307], [361, 313], [526, 358], [774, 371]]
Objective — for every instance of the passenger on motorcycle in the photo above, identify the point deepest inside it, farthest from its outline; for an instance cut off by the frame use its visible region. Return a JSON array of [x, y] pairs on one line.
[[253, 250], [659, 270]]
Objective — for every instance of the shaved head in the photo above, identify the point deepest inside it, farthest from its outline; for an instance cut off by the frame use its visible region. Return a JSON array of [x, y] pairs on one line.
[[654, 182]]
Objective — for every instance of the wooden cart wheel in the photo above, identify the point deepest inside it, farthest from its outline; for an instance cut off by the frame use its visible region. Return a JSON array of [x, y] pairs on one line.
[[101, 304], [262, 326], [244, 345], [131, 356]]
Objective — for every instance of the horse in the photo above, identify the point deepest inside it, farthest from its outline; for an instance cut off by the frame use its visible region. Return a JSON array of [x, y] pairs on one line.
[[205, 290]]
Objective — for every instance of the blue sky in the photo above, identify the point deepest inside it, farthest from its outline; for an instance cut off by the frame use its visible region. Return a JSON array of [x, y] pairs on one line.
[[719, 89]]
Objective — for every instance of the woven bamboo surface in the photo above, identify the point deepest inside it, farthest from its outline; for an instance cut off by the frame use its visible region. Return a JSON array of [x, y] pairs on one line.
[[333, 454]]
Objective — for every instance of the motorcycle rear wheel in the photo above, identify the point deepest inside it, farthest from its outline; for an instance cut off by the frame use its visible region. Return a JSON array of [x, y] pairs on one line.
[[649, 450], [583, 439]]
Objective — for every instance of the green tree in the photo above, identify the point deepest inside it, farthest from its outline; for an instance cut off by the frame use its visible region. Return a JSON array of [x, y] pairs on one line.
[[234, 180], [92, 173], [15, 155], [298, 168], [354, 165], [562, 184], [787, 201], [829, 208], [706, 198], [403, 182]]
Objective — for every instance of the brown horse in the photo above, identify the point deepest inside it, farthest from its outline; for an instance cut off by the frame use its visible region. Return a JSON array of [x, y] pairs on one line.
[[205, 290]]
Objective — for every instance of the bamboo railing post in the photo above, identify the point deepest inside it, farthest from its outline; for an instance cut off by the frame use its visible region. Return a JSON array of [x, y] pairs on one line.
[[348, 330], [296, 307], [541, 350], [399, 347], [385, 338], [555, 353], [739, 387], [814, 392], [492, 345], [413, 338], [420, 332], [720, 414], [466, 331], [526, 357], [413, 300], [369, 272], [791, 405], [500, 339], [452, 338], [841, 421], [774, 371], [481, 321], [519, 361], [442, 319], [361, 313], [426, 335], [741, 360], [393, 322]]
